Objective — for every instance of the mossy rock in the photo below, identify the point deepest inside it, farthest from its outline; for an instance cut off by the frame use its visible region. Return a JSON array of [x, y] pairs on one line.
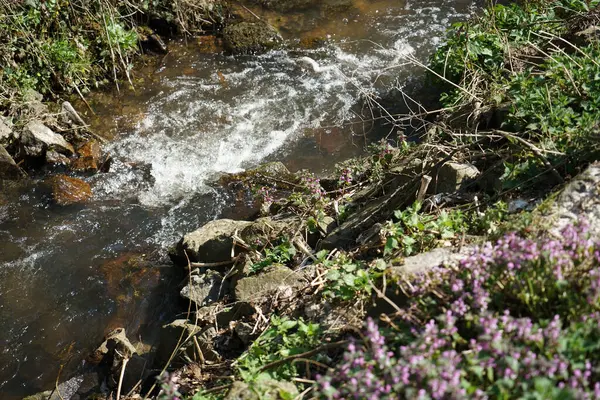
[[249, 38], [288, 5]]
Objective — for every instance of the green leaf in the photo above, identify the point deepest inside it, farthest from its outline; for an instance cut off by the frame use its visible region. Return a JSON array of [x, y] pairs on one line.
[[287, 325], [333, 275]]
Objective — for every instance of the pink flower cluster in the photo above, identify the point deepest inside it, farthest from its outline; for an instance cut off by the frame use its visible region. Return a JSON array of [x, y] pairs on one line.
[[517, 319]]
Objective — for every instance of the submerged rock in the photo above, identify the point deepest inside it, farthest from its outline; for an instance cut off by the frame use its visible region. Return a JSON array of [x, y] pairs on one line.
[[90, 157], [211, 243], [9, 170], [67, 190], [38, 138], [288, 5], [249, 37]]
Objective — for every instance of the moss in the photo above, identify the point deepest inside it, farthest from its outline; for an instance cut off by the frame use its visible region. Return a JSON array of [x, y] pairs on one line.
[[249, 38]]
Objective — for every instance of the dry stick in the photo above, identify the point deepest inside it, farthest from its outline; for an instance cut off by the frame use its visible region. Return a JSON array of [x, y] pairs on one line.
[[303, 355], [217, 388], [570, 44], [425, 181], [535, 151], [83, 98], [125, 361], [213, 264]]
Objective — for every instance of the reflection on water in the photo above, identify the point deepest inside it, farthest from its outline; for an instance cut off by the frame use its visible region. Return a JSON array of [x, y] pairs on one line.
[[69, 274]]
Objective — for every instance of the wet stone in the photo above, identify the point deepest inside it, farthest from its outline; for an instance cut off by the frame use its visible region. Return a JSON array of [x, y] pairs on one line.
[[89, 159], [67, 190], [249, 38]]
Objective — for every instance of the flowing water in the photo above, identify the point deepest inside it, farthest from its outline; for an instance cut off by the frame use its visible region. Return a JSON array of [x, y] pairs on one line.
[[67, 274]]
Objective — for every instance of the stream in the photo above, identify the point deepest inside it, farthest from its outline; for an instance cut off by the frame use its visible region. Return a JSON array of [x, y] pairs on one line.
[[68, 275]]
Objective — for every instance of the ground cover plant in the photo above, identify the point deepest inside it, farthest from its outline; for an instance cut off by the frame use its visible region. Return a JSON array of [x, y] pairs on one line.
[[527, 74], [517, 319], [65, 46]]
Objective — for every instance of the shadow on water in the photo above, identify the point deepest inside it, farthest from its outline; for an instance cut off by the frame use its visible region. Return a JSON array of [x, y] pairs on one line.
[[70, 274]]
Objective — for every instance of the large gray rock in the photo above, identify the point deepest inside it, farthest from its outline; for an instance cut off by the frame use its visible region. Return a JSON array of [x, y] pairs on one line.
[[249, 37], [38, 138], [452, 176], [431, 259], [203, 289], [8, 168], [276, 279], [578, 201], [115, 345], [211, 243]]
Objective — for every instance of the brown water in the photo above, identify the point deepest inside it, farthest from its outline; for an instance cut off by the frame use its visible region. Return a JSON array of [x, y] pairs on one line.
[[69, 274]]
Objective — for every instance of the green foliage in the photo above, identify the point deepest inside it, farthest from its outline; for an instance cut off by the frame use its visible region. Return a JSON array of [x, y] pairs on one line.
[[416, 232], [60, 44], [349, 279], [280, 254], [508, 58], [283, 338]]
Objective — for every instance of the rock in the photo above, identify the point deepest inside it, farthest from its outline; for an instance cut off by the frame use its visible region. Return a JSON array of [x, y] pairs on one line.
[[9, 170], [209, 44], [70, 115], [55, 158], [431, 259], [249, 37], [67, 190], [38, 138], [264, 388], [203, 289], [452, 176], [31, 95], [240, 391], [245, 332], [288, 5], [6, 131], [115, 345], [182, 332], [137, 369], [266, 229], [90, 156], [40, 396], [276, 278], [33, 103], [211, 243], [326, 225], [578, 201]]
